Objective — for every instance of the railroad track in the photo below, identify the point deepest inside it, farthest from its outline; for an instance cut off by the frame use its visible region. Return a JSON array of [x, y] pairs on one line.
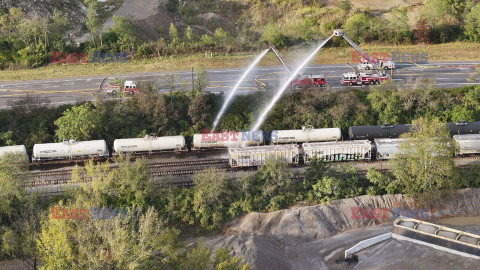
[[189, 163], [184, 184], [46, 178]]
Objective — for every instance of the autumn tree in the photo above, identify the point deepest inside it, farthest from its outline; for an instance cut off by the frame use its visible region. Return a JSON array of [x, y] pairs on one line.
[[424, 32], [424, 166]]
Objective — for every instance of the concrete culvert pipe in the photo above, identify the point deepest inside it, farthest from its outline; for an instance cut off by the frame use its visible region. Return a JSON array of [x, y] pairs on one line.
[[469, 239], [447, 234], [408, 224], [427, 228]]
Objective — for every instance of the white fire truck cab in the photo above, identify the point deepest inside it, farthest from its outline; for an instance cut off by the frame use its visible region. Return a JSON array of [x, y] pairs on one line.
[[383, 64], [130, 87], [352, 78]]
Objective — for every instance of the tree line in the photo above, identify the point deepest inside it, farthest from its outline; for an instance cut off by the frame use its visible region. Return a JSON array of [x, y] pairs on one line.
[[185, 112], [27, 41]]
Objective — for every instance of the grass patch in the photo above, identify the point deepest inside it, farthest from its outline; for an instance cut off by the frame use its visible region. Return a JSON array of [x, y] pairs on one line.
[[456, 51]]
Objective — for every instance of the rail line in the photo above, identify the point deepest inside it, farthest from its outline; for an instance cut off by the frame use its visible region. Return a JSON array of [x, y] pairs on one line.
[[157, 170], [184, 184], [60, 177]]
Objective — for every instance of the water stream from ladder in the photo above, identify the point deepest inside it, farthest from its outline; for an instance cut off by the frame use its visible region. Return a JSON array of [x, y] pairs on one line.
[[280, 91], [234, 90]]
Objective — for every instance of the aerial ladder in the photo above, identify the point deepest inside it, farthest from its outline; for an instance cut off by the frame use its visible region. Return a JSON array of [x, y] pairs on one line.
[[301, 80], [366, 56], [287, 67]]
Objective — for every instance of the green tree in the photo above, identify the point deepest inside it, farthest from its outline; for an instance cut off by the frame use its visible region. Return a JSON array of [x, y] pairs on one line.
[[126, 32], [424, 166], [223, 36], [472, 23], [189, 35], [357, 27], [316, 170], [80, 122], [338, 184], [471, 177], [459, 113], [138, 241], [129, 185], [386, 102], [224, 261], [199, 111], [345, 5], [271, 188], [207, 41], [201, 80], [213, 195], [173, 36], [20, 212], [12, 176], [382, 183], [93, 22], [275, 36]]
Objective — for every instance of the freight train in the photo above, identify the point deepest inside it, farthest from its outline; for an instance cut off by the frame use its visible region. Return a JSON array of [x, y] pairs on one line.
[[248, 148]]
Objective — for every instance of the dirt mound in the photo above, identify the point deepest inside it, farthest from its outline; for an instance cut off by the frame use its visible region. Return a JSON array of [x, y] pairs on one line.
[[314, 237], [321, 221], [259, 252], [148, 15]]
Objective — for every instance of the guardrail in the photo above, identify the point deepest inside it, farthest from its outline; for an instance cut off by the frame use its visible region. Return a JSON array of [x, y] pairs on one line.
[[367, 243]]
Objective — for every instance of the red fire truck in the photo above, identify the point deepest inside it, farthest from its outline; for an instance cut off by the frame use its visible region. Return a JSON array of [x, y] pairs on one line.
[[362, 78], [302, 80], [129, 87], [309, 80]]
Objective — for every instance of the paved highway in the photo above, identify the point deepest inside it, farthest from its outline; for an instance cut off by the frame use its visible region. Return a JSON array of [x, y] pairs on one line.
[[71, 90]]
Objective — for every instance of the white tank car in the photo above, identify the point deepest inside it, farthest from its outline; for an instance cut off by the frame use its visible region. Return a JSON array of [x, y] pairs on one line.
[[468, 144], [149, 144], [257, 155], [306, 134], [338, 151], [14, 149], [224, 139], [69, 150], [387, 148]]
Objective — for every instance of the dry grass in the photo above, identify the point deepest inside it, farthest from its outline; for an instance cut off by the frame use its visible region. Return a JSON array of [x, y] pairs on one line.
[[384, 4], [442, 52]]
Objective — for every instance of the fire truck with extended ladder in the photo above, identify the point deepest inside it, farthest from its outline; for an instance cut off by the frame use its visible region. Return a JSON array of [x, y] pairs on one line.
[[357, 78], [112, 86], [302, 80]]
